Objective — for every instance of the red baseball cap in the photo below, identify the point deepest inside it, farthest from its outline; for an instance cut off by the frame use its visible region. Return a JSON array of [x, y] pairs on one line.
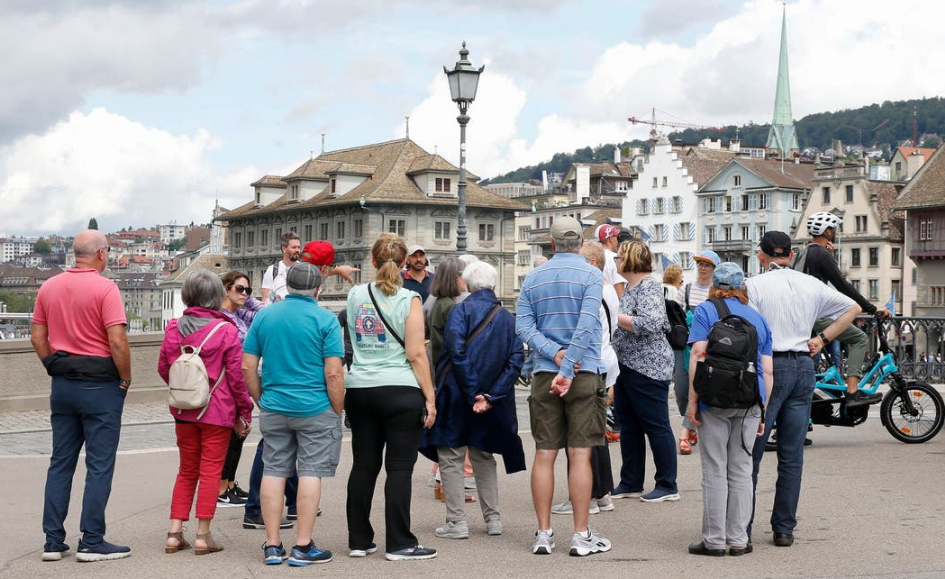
[[606, 231], [319, 253]]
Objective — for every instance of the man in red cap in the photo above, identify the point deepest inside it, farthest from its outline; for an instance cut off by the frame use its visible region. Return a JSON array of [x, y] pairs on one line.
[[322, 255], [607, 235]]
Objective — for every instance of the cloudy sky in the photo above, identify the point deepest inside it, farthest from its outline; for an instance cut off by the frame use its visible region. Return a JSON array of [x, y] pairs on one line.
[[145, 112]]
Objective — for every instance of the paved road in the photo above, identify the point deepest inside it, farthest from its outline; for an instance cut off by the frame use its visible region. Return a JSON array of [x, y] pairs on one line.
[[871, 508]]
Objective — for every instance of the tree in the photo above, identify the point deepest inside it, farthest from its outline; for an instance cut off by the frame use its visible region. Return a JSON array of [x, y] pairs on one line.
[[931, 141], [93, 223], [42, 246]]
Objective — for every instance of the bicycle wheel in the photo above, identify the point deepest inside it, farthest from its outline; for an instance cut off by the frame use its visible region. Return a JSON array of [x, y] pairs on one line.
[[918, 426]]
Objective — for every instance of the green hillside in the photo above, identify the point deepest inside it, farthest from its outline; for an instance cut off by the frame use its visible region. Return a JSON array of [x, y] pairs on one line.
[[883, 125]]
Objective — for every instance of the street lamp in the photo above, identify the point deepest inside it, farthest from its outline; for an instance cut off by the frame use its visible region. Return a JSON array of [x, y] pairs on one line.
[[464, 80]]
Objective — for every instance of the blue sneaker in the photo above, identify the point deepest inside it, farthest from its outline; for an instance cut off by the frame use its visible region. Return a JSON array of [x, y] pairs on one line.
[[54, 552], [303, 556], [274, 554], [104, 551], [659, 496]]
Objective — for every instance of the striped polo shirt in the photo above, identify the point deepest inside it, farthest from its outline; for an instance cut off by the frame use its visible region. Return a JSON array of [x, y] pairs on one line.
[[791, 302], [559, 308]]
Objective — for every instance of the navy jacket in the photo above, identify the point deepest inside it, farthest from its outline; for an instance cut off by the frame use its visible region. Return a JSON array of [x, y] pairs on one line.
[[490, 366]]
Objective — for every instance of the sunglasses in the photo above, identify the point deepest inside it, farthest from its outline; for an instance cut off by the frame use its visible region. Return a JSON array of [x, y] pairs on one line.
[[243, 289]]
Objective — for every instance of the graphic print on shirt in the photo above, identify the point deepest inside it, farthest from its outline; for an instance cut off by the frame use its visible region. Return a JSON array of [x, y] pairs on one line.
[[367, 323]]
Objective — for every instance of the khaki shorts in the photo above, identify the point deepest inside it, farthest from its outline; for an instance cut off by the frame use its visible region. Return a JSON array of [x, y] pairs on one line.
[[576, 421]]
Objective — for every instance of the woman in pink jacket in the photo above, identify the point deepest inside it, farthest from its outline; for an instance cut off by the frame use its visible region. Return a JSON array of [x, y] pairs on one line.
[[203, 434]]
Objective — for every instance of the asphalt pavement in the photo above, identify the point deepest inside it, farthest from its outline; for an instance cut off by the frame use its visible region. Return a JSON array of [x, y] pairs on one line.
[[871, 508]]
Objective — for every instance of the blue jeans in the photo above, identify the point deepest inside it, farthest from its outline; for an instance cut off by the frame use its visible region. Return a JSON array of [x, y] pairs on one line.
[[255, 479], [641, 406], [89, 413], [789, 407]]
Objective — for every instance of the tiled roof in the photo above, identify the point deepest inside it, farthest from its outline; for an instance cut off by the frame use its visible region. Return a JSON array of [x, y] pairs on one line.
[[353, 168], [927, 186], [390, 182], [714, 154], [269, 181], [215, 262], [925, 152], [701, 169], [436, 163], [886, 193], [795, 175]]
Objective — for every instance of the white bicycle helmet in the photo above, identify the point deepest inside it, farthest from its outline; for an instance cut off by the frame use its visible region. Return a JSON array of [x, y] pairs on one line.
[[820, 222]]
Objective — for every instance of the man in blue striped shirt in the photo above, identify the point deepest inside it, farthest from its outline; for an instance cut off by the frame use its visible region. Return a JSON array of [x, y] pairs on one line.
[[558, 317]]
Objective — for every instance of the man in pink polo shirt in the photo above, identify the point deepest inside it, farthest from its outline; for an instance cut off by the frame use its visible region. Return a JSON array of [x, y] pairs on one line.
[[78, 332]]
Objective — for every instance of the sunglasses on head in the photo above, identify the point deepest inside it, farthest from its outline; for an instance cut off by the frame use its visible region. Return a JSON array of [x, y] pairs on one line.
[[243, 289]]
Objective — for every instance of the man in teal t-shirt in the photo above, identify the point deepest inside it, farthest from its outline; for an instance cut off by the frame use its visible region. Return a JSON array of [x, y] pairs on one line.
[[300, 399]]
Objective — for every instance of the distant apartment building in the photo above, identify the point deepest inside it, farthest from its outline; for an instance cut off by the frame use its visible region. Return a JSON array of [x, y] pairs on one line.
[[14, 247], [141, 294], [869, 250], [172, 232]]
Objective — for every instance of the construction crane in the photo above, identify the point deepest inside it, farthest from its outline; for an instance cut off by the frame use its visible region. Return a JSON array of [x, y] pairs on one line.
[[655, 134]]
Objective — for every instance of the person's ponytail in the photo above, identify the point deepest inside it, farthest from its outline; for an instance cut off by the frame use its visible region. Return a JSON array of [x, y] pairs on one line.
[[389, 253]]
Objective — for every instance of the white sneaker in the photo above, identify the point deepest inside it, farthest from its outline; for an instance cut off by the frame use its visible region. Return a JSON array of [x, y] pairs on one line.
[[544, 542], [565, 508], [451, 530], [605, 503], [363, 552], [494, 527], [588, 544]]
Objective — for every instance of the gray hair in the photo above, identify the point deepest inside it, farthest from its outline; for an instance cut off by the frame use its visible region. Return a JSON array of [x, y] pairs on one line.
[[479, 275], [445, 284], [202, 288], [541, 259], [568, 245], [300, 292], [468, 258]]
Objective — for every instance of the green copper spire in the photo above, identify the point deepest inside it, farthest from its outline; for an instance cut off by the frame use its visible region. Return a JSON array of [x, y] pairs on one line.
[[782, 135]]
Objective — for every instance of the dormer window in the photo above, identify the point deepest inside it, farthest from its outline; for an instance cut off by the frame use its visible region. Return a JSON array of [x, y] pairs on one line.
[[294, 193], [334, 183], [258, 197], [442, 185]]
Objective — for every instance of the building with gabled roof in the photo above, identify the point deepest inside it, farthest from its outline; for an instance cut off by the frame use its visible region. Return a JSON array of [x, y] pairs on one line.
[[923, 202], [662, 203], [906, 162], [747, 198], [869, 250], [172, 306], [350, 196]]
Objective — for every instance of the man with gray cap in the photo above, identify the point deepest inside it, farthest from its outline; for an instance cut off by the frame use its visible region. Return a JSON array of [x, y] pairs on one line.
[[791, 302], [300, 399], [558, 316]]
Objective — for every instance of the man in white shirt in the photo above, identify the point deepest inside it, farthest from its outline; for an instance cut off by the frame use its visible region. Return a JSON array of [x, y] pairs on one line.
[[273, 284], [607, 235], [791, 302]]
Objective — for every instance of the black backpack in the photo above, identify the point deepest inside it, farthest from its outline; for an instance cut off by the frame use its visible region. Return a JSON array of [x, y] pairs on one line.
[[727, 377], [678, 334]]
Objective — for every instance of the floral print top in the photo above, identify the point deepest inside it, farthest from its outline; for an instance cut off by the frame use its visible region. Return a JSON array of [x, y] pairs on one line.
[[645, 349]]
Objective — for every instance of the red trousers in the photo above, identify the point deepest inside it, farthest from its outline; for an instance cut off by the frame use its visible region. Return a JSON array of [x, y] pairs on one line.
[[202, 452]]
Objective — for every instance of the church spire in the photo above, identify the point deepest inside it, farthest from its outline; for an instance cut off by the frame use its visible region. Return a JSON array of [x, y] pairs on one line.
[[782, 135]]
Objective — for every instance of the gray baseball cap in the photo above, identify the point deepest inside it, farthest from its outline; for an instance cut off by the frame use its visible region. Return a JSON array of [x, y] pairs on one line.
[[303, 276], [566, 228]]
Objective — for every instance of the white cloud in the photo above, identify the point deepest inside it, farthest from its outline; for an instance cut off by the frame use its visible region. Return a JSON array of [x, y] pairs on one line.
[[106, 166]]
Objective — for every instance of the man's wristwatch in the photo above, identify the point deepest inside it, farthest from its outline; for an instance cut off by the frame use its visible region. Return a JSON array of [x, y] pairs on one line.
[[124, 384], [824, 338]]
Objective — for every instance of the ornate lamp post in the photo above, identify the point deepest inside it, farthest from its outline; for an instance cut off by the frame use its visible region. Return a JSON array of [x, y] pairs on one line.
[[464, 80]]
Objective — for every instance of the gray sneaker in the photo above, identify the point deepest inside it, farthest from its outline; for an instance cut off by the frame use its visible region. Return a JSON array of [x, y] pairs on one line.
[[544, 543], [494, 527], [451, 530], [588, 544]]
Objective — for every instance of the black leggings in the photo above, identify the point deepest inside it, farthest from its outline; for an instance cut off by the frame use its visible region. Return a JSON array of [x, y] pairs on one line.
[[233, 454], [385, 427]]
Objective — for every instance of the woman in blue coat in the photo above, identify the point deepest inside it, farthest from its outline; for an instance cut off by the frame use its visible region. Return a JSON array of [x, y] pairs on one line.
[[475, 403]]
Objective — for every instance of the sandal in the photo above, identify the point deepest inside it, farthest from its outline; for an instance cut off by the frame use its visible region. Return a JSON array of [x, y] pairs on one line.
[[693, 437], [438, 491], [211, 546], [469, 498], [684, 446], [181, 543]]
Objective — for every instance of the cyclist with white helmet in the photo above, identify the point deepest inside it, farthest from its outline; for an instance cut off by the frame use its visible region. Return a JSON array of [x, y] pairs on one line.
[[821, 264]]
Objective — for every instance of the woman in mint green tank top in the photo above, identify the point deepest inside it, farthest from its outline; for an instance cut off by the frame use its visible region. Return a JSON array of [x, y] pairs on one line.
[[388, 400]]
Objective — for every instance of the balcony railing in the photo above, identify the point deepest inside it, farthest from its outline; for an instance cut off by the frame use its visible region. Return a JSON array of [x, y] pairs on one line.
[[732, 245]]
